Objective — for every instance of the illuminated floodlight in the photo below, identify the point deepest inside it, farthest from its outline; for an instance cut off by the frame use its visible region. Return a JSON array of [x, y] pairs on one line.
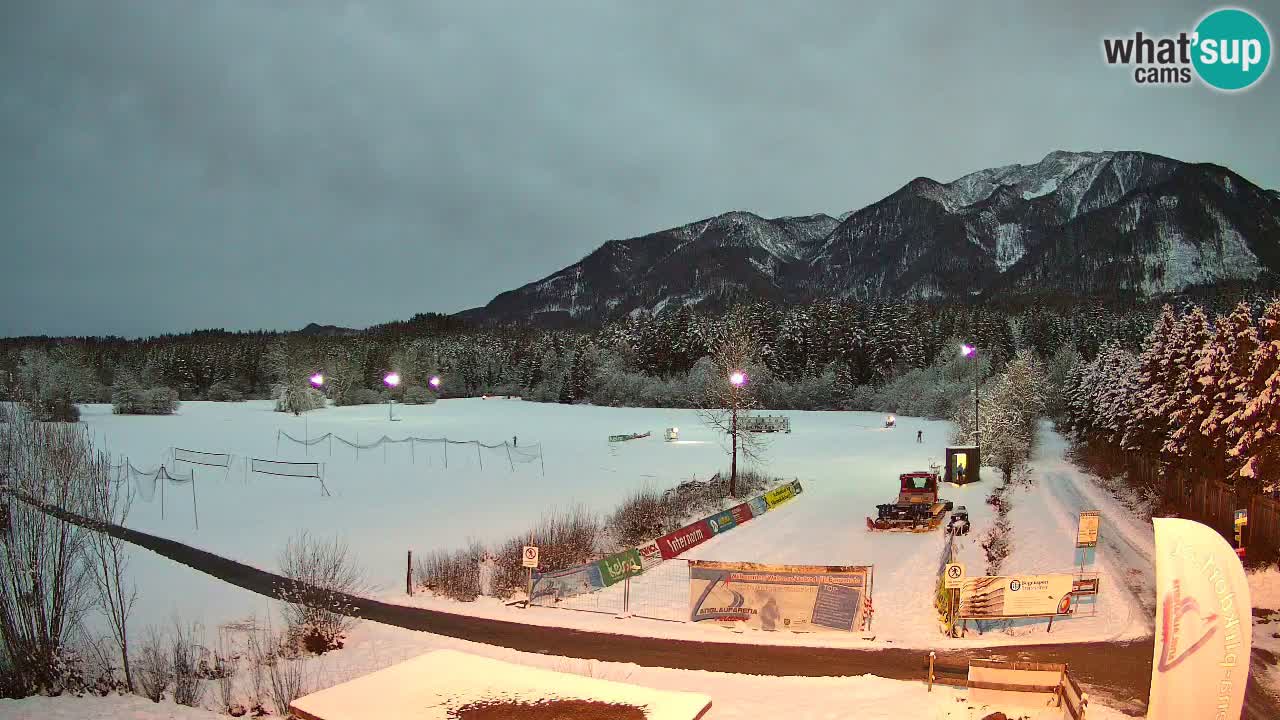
[[392, 379], [738, 378], [317, 380], [434, 382], [967, 350]]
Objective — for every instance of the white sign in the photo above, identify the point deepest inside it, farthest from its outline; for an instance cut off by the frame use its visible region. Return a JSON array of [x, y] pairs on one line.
[[1006, 596], [953, 576], [1203, 628], [1087, 533], [529, 558]]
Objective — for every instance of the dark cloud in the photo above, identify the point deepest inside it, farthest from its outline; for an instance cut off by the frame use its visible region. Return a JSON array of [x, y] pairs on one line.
[[170, 165]]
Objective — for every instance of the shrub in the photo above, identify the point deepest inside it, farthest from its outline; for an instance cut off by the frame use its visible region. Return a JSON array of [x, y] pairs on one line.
[[56, 408], [644, 515], [418, 395], [154, 665], [224, 392], [454, 574], [360, 396], [321, 574], [564, 539], [298, 399], [186, 652], [130, 398]]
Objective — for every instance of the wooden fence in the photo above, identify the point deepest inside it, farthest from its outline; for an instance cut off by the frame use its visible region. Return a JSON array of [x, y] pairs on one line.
[[1214, 503]]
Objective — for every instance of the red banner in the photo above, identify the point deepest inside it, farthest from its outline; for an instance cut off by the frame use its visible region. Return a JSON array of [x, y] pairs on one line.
[[672, 544], [741, 513]]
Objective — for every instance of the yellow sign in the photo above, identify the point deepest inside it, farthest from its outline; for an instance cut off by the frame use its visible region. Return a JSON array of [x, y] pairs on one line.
[[1087, 534]]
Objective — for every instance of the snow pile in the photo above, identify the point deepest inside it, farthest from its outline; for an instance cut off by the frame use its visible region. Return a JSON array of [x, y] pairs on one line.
[[435, 685]]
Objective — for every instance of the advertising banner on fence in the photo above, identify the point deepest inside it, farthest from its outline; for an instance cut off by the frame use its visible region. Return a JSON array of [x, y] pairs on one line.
[[672, 544], [649, 554], [616, 567], [1010, 596], [1203, 624], [729, 519], [801, 598], [551, 586], [781, 494]]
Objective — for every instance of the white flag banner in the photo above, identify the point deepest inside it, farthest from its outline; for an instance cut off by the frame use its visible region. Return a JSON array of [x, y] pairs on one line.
[[1203, 625]]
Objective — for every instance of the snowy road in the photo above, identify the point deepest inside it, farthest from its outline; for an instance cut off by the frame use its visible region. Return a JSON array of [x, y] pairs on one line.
[[1044, 519]]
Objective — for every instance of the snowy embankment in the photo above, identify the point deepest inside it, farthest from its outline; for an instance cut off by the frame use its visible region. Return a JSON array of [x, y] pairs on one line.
[[373, 647]]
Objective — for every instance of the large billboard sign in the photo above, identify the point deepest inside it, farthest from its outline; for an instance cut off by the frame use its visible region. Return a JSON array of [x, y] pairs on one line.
[[800, 598], [1012, 596]]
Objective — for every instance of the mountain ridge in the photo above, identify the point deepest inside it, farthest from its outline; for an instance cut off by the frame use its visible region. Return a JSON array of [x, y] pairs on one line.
[[1130, 223]]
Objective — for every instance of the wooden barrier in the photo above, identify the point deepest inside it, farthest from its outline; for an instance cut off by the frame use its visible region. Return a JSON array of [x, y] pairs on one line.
[[1214, 503], [997, 682]]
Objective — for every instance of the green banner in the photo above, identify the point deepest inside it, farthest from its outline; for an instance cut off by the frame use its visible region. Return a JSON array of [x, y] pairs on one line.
[[615, 567]]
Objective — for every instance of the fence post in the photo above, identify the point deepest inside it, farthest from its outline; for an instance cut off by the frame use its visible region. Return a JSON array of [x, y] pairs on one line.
[[194, 512], [408, 574], [932, 656]]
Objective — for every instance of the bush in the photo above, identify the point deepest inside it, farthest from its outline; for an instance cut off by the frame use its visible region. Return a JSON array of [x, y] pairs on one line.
[[154, 665], [186, 651], [418, 395], [454, 574], [321, 574], [298, 399], [129, 398], [224, 392], [564, 539], [644, 515], [57, 408], [360, 396]]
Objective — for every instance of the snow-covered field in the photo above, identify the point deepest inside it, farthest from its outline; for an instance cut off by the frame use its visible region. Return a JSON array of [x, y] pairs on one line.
[[387, 502]]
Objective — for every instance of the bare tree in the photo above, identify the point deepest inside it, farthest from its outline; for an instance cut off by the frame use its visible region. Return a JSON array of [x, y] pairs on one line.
[[726, 398], [45, 590], [108, 559]]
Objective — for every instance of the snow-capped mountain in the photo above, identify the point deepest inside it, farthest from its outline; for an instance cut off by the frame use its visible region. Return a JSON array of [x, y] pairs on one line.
[[1073, 224]]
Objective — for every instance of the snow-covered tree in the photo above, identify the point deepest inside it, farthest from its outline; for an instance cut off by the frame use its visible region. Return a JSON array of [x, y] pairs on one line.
[[1255, 427]]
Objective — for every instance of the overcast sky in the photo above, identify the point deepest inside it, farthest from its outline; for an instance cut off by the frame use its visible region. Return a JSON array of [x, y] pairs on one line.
[[171, 165]]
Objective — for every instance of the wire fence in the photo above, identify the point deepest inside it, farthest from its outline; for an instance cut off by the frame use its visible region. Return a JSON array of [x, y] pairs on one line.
[[434, 449], [660, 593]]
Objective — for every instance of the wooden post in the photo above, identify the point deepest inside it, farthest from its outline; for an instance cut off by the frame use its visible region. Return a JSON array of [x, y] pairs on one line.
[[408, 574], [1050, 628], [446, 453], [194, 513], [932, 655], [528, 597], [478, 455]]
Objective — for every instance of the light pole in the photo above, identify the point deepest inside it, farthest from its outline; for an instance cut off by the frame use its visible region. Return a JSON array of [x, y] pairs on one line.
[[392, 380], [737, 379], [970, 351]]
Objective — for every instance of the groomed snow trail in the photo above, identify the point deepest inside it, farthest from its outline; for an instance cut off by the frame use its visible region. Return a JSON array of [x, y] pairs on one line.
[[1044, 520]]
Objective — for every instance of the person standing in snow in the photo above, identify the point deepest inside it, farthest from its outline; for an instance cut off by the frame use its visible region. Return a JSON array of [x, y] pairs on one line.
[[920, 436], [514, 441]]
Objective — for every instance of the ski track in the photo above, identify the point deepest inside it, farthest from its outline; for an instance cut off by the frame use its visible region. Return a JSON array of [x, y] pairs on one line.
[[1129, 544]]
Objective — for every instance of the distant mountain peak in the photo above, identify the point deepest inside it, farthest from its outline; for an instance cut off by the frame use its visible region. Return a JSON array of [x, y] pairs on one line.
[[1071, 224]]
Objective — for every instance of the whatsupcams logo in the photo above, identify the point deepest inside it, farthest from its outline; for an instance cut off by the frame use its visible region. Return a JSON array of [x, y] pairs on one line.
[[1229, 49]]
